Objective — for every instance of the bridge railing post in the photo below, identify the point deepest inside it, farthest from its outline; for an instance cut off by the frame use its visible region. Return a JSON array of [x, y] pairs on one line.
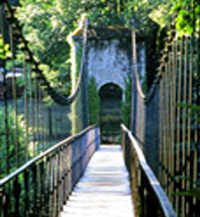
[[26, 199], [17, 191], [3, 203], [41, 186], [148, 196]]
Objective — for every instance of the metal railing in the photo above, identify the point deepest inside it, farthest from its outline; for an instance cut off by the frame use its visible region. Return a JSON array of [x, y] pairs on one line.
[[166, 120], [42, 185], [34, 114], [149, 197], [16, 32]]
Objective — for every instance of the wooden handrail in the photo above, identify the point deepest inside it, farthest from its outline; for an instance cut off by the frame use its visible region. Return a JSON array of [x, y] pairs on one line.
[[30, 163], [48, 178], [153, 182]]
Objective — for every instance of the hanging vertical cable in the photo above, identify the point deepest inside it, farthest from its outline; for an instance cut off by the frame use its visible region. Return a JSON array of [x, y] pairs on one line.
[[5, 94], [40, 118], [26, 97], [17, 148], [32, 112], [36, 113]]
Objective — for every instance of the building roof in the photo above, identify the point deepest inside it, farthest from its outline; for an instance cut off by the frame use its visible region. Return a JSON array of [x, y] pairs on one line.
[[14, 2], [9, 74], [104, 32], [117, 31]]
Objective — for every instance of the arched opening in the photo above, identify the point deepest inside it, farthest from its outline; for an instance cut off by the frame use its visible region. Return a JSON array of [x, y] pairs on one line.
[[110, 112]]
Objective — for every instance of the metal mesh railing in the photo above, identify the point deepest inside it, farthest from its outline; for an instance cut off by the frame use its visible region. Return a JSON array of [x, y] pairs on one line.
[[42, 185], [39, 166], [149, 197], [138, 98], [169, 115], [33, 115]]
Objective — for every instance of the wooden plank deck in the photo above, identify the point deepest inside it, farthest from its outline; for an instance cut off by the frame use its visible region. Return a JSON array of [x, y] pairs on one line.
[[104, 189]]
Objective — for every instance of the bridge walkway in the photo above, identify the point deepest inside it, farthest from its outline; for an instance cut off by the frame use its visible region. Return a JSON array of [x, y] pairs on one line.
[[104, 189]]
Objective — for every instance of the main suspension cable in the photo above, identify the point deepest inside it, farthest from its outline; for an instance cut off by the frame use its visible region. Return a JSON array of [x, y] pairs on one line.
[[55, 95]]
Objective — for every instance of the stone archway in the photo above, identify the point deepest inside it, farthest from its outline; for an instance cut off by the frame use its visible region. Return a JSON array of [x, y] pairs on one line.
[[110, 112]]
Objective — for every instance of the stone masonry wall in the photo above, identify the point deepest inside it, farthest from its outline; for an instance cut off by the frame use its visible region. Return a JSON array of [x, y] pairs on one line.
[[109, 61]]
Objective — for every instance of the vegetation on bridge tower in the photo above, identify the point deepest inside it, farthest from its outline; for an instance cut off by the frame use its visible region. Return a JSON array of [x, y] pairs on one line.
[[46, 25]]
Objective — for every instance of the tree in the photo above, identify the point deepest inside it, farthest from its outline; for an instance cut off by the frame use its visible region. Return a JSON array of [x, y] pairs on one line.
[[187, 19], [46, 25]]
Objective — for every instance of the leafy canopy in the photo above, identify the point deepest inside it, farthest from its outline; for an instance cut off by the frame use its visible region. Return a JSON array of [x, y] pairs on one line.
[[48, 22]]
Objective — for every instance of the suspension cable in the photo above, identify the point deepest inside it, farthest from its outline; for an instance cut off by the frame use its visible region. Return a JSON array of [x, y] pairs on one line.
[[55, 95]]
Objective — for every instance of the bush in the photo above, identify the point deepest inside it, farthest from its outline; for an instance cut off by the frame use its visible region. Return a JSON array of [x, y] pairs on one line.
[[11, 141], [126, 104], [94, 102]]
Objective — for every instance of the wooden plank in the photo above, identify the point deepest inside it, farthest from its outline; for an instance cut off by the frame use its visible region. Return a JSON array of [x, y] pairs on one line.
[[104, 189]]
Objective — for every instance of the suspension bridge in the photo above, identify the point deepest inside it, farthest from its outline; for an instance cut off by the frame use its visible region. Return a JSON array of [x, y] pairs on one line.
[[53, 163]]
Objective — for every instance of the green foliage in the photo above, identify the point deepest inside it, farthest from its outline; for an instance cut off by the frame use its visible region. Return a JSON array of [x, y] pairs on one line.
[[58, 78], [143, 10], [112, 12], [193, 191], [46, 25], [126, 104], [103, 13], [187, 12], [4, 50], [11, 135], [193, 107], [192, 110], [78, 60], [162, 15], [94, 102]]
